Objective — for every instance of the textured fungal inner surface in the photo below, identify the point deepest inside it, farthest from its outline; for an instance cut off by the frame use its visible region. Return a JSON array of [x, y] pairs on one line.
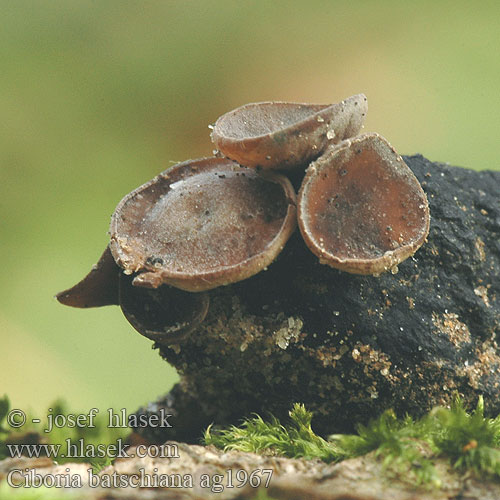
[[364, 203], [254, 120], [214, 219]]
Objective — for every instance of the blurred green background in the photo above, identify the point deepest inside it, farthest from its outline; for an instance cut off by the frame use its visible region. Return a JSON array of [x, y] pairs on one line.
[[96, 97]]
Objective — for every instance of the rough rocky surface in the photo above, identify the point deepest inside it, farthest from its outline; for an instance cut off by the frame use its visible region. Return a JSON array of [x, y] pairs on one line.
[[350, 346], [198, 472]]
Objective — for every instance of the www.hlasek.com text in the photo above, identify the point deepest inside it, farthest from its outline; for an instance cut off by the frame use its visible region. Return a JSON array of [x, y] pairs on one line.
[[80, 449]]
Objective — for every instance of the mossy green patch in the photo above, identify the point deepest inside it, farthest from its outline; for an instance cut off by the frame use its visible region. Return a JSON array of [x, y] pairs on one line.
[[297, 440], [470, 441]]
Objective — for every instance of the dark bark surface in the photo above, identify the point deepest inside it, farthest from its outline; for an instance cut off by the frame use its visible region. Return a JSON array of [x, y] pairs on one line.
[[349, 346]]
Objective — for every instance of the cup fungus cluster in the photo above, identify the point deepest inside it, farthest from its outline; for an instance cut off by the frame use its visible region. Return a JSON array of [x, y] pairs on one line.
[[215, 221]]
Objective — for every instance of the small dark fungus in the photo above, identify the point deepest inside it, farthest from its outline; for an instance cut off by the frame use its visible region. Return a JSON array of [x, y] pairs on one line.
[[284, 135], [201, 224], [98, 288], [361, 209], [165, 314]]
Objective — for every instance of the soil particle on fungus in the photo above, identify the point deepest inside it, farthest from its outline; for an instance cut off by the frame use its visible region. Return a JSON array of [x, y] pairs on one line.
[[350, 346]]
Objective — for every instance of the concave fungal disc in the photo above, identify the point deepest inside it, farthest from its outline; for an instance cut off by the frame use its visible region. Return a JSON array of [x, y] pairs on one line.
[[361, 209], [284, 135], [166, 315], [202, 224], [98, 288]]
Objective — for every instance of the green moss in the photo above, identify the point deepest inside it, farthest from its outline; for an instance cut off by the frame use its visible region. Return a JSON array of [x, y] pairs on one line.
[[405, 446], [294, 441], [470, 441]]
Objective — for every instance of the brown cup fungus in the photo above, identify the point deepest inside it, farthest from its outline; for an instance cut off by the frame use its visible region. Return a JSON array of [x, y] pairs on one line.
[[166, 315], [211, 222], [360, 207], [284, 135], [202, 224], [98, 288]]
